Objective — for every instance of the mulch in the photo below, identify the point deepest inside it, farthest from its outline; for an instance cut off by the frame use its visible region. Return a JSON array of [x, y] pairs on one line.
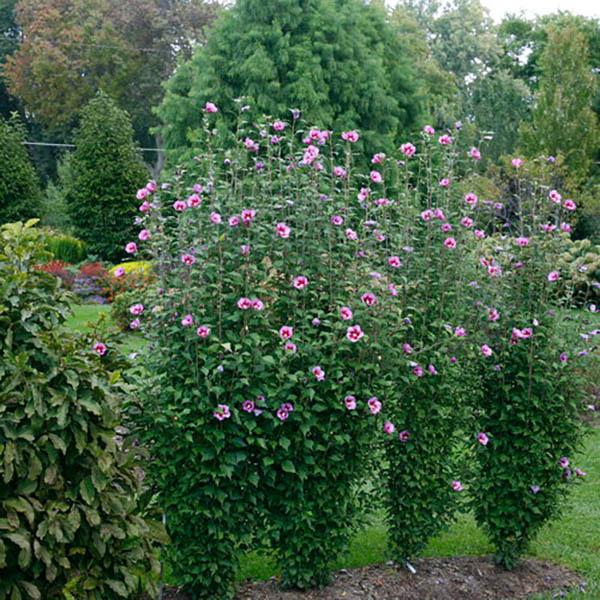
[[456, 578]]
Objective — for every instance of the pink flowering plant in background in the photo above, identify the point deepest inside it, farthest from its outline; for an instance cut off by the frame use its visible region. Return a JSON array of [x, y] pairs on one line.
[[317, 324]]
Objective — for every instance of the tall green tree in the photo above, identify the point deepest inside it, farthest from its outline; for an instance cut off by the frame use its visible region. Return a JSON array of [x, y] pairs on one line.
[[337, 60], [105, 170], [20, 190], [9, 40], [564, 121]]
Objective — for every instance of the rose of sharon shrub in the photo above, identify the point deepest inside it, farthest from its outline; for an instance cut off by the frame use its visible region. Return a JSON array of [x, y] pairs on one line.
[[269, 332], [70, 524]]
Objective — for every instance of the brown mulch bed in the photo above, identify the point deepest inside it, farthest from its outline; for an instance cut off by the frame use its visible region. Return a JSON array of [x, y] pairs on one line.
[[462, 578]]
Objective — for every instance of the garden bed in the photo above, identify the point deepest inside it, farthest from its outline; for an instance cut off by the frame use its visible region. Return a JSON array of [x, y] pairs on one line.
[[460, 578]]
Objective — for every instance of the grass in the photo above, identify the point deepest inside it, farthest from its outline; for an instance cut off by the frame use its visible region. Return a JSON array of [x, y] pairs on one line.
[[85, 316], [573, 540]]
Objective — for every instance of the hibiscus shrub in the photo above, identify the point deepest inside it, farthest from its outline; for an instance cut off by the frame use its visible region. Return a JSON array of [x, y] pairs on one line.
[[70, 517], [314, 328]]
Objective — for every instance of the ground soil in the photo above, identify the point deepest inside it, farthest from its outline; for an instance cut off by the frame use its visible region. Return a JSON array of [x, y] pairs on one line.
[[457, 578]]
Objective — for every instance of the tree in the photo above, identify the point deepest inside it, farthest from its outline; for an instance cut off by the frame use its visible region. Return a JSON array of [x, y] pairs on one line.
[[9, 34], [337, 60], [106, 170], [20, 193], [73, 48], [563, 119]]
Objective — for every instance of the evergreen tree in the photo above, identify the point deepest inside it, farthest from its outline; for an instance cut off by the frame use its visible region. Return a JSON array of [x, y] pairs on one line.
[[339, 61], [20, 194], [106, 170], [563, 118]]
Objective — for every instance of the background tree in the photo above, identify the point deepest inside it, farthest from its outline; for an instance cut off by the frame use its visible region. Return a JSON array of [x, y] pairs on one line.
[[20, 191], [9, 39], [106, 170], [338, 60], [563, 119], [72, 48]]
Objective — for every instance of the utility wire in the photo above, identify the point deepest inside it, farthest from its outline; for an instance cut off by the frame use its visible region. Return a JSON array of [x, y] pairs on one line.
[[55, 145]]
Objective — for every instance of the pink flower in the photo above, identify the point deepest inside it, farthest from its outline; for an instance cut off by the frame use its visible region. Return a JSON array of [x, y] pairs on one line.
[[418, 371], [300, 282], [187, 321], [144, 235], [282, 414], [407, 348], [493, 314], [257, 304], [248, 215], [450, 243], [482, 438], [522, 241], [142, 193], [310, 154], [388, 427], [376, 177], [346, 313], [245, 249], [251, 145], [363, 194], [486, 350], [378, 158], [179, 205], [136, 309], [580, 473], [445, 140], [404, 436], [553, 276], [471, 199], [135, 324], [151, 186], [350, 402], [526, 333], [460, 332], [427, 215], [209, 107], [369, 298], [432, 370], [475, 154], [188, 259], [248, 406], [350, 136], [193, 201], [564, 357], [318, 373], [278, 126], [446, 227], [354, 333], [339, 172], [555, 196], [392, 289], [429, 130], [282, 230], [408, 149], [222, 412], [131, 248], [374, 405], [244, 303], [395, 262], [145, 206], [563, 462], [457, 486], [466, 222], [203, 331], [290, 347], [286, 332], [438, 213], [494, 270], [215, 218], [516, 162], [100, 348], [337, 220], [119, 272], [444, 182], [569, 205], [565, 227], [351, 234], [234, 220]]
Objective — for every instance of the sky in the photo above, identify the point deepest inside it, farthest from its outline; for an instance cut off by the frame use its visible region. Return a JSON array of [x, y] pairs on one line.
[[498, 8]]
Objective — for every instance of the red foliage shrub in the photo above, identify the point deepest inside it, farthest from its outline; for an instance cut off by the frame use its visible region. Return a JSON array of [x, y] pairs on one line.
[[59, 269]]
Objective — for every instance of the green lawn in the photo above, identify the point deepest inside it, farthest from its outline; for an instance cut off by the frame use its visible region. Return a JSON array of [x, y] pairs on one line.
[[573, 540], [86, 315]]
